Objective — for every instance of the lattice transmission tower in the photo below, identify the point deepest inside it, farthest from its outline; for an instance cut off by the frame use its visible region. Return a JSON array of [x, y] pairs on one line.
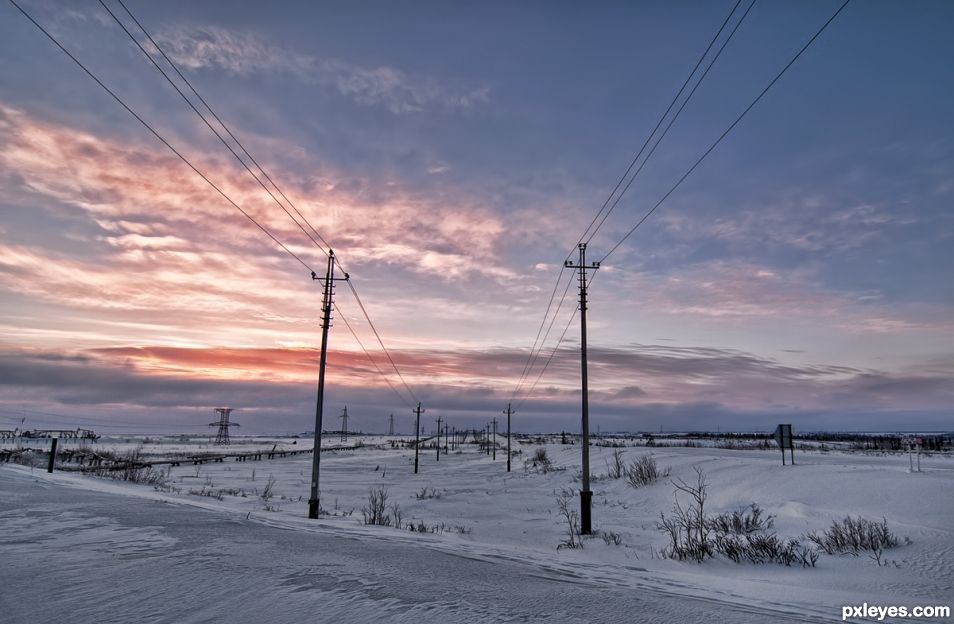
[[222, 437], [344, 424]]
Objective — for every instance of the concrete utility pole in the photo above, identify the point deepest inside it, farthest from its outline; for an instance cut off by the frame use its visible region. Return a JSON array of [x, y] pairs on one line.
[[438, 438], [494, 439], [487, 438], [586, 496], [417, 434], [326, 303], [508, 412]]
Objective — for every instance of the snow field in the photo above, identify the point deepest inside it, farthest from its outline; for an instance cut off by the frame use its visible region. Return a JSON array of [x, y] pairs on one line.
[[481, 511]]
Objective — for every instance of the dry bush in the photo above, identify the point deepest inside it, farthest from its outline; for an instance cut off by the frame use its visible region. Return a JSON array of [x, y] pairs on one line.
[[376, 510], [644, 471], [425, 494], [132, 468], [742, 521], [764, 548], [540, 461], [572, 519], [854, 536], [617, 468], [687, 528], [268, 490]]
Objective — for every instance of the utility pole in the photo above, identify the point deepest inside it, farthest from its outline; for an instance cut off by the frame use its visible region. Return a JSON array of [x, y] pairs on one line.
[[586, 496], [494, 439], [508, 412], [344, 424], [326, 304], [417, 434], [391, 425], [487, 438], [438, 438]]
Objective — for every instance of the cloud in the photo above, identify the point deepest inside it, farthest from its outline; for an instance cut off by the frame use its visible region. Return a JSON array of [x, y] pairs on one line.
[[242, 53], [635, 388], [622, 376], [804, 224], [144, 200]]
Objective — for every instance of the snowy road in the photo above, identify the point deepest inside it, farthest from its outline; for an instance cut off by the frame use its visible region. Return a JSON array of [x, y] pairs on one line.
[[72, 555]]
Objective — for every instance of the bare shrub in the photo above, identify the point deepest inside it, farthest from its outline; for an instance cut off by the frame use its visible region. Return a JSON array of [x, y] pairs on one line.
[[617, 468], [423, 527], [611, 539], [687, 528], [268, 490], [540, 461], [572, 519], [132, 468], [741, 535], [764, 548], [425, 494], [854, 536], [376, 510], [741, 521], [643, 471], [396, 514]]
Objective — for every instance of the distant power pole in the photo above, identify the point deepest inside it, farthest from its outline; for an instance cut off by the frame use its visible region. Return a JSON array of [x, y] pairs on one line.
[[487, 438], [438, 438], [417, 434], [326, 304], [391, 425], [508, 412], [586, 496], [222, 437], [344, 424], [493, 440]]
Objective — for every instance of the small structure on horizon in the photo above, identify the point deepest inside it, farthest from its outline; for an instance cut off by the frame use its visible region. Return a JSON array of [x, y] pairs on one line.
[[222, 437]]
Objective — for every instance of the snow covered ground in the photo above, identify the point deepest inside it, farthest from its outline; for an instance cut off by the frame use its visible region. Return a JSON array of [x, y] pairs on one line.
[[509, 522]]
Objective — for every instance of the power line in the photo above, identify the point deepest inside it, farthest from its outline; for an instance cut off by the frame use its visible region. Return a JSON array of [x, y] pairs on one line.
[[344, 318], [546, 364], [200, 115], [672, 120], [727, 130], [251, 158], [536, 339], [159, 136], [194, 168], [658, 124], [534, 356], [380, 342], [219, 120], [610, 198]]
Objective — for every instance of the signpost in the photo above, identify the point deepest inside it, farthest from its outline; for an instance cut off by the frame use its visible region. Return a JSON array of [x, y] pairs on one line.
[[783, 436], [914, 444]]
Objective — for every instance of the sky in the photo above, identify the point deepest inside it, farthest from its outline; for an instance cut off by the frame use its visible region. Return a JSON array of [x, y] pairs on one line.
[[453, 156]]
